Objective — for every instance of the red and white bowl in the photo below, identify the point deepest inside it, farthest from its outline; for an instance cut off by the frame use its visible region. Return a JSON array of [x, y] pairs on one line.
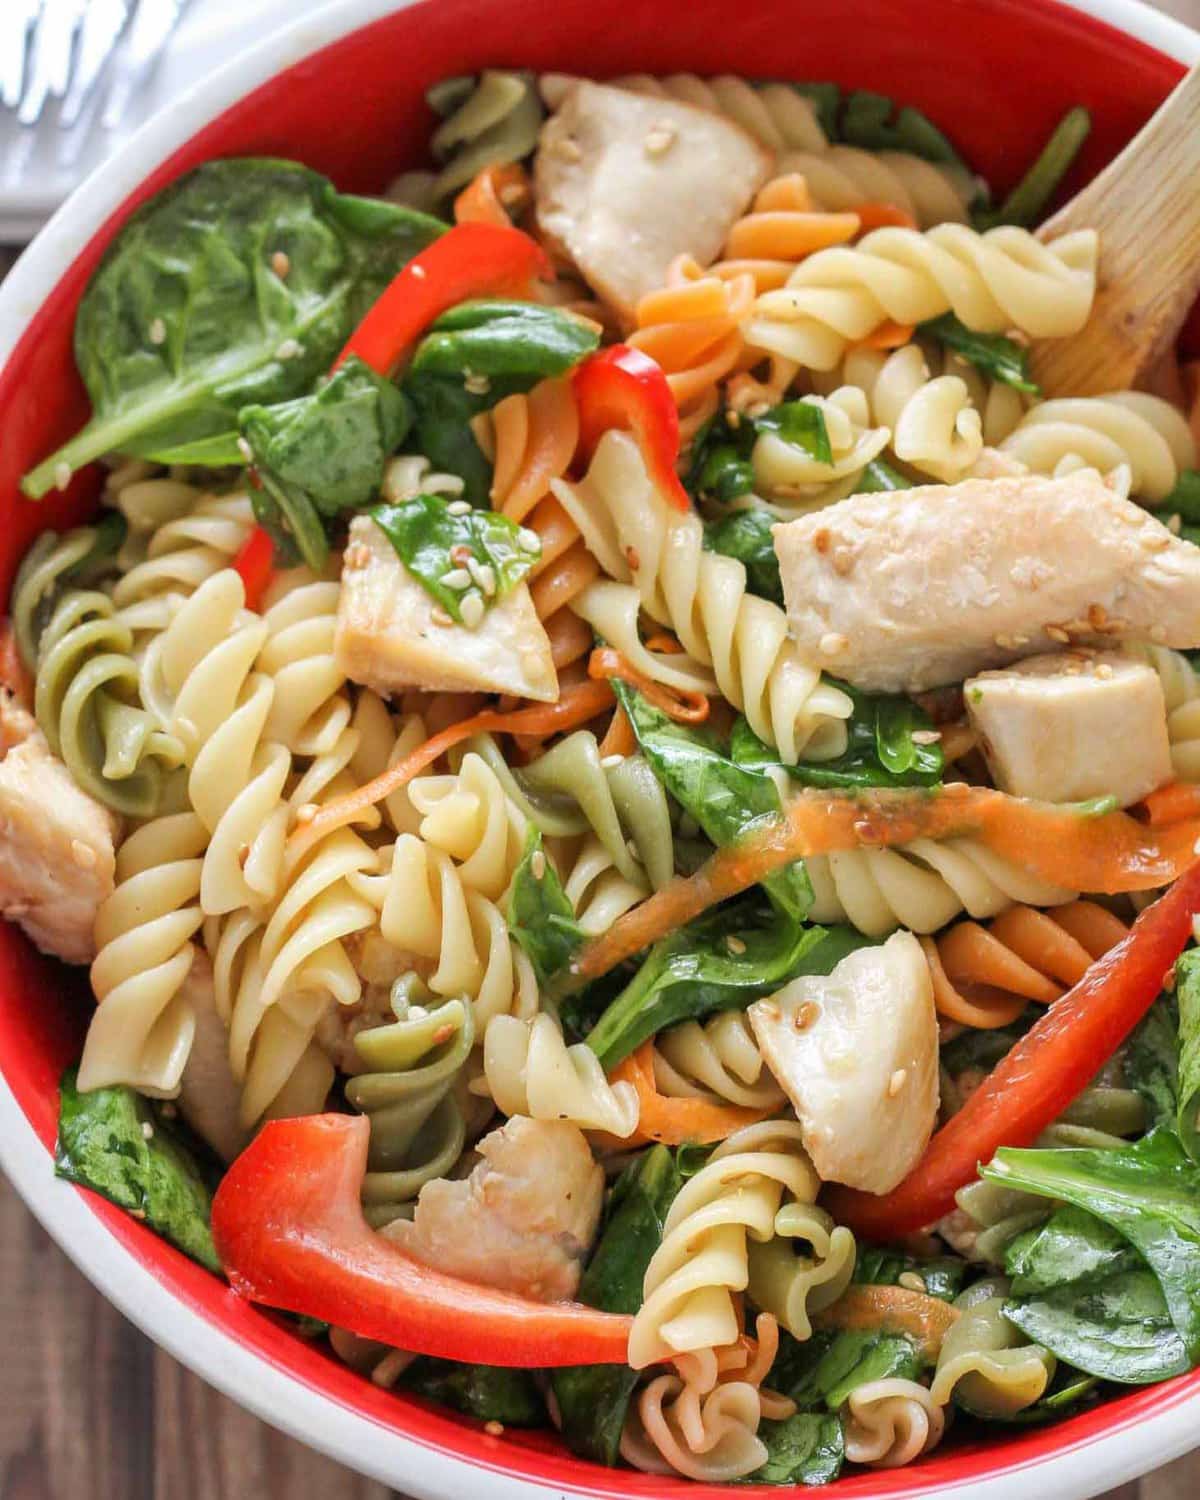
[[342, 91]]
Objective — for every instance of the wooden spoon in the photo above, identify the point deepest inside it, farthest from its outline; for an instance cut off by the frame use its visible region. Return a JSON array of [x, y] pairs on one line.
[[1146, 207]]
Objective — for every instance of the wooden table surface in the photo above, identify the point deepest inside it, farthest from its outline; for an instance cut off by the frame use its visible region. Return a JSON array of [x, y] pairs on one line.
[[91, 1410]]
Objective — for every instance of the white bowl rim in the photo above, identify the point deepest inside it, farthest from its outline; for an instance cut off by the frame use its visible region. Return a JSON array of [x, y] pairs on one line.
[[283, 1400]]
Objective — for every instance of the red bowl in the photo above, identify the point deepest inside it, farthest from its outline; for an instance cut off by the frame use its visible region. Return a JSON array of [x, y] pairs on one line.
[[342, 92]]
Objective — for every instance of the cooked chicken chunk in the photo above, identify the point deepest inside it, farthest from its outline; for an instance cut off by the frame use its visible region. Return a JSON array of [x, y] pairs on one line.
[[525, 1218], [856, 1052], [57, 844], [627, 183], [389, 635], [914, 588], [1071, 726], [209, 1095]]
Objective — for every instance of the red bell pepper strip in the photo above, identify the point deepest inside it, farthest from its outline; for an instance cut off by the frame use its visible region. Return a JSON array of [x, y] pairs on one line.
[[290, 1232], [255, 564], [1033, 1084], [470, 260], [624, 388]]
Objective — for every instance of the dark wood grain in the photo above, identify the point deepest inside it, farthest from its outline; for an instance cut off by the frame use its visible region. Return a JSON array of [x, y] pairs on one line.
[[90, 1410]]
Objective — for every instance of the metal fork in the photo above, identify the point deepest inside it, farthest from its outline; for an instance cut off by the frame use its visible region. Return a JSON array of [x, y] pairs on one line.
[[59, 49]]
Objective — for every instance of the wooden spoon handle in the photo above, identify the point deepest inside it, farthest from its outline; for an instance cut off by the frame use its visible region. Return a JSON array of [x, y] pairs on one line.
[[1146, 207]]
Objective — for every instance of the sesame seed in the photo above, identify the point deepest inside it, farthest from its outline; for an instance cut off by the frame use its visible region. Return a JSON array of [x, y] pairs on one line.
[[537, 864], [457, 578], [610, 762], [1019, 641], [439, 616], [494, 1428], [483, 574], [306, 812], [458, 508], [476, 385], [280, 263], [473, 609], [911, 1281], [735, 944], [245, 450], [1104, 670], [418, 271], [1175, 524], [806, 1015], [897, 1081], [1057, 633], [528, 540], [926, 736], [289, 349], [843, 561], [147, 1131], [62, 475], [831, 643], [158, 332], [1004, 642], [660, 139], [1158, 634]]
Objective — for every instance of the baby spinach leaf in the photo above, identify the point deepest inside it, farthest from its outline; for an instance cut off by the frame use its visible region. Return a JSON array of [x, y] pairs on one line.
[[112, 1141], [872, 122], [720, 467], [943, 1275], [724, 960], [1187, 993], [880, 478], [1070, 1246], [880, 749], [1150, 1060], [458, 555], [488, 1393], [997, 356], [801, 424], [323, 454], [236, 286], [1184, 499], [826, 101], [1069, 1390], [746, 536], [824, 1369], [1117, 1329], [1148, 1191], [1027, 202], [984, 1049], [540, 917], [474, 356], [807, 1448], [593, 1399], [727, 800]]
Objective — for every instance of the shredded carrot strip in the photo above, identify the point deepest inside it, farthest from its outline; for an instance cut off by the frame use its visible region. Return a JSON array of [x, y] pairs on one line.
[[887, 336], [487, 199], [676, 1122], [895, 1309], [682, 705], [881, 215], [619, 738], [1109, 854], [1171, 803], [576, 706], [665, 644]]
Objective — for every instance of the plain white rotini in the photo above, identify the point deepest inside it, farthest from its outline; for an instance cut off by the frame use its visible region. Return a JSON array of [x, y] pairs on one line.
[[933, 423], [598, 890], [891, 1422], [1181, 690], [708, 1436], [703, 1261], [921, 886], [732, 640], [1138, 441], [311, 706], [1000, 405], [804, 1269], [469, 817], [793, 481], [1002, 279], [987, 1361], [531, 1071], [141, 1033], [719, 1060], [384, 739], [188, 548]]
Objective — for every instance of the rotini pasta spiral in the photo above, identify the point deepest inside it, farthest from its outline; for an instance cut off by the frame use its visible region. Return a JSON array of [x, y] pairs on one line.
[[985, 1363], [934, 425], [1181, 690], [986, 976], [795, 1284], [791, 482], [186, 550], [1000, 405], [703, 1260], [1138, 441], [531, 1071], [141, 1033], [51, 564], [310, 707], [732, 640], [719, 1060], [469, 817], [921, 886], [992, 281], [781, 228], [891, 1422], [408, 1071]]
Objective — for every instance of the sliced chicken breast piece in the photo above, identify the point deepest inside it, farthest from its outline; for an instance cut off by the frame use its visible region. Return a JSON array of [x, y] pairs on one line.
[[856, 1051], [392, 635], [57, 844], [625, 183], [1071, 726], [525, 1218], [908, 590]]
